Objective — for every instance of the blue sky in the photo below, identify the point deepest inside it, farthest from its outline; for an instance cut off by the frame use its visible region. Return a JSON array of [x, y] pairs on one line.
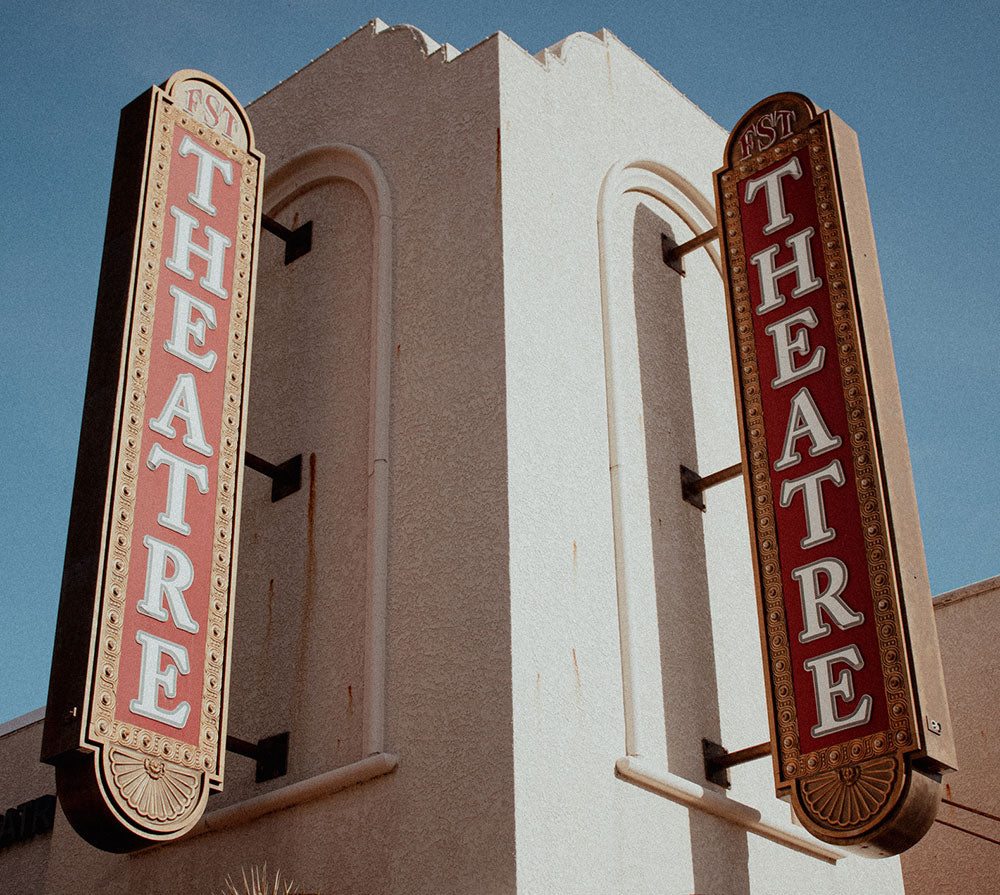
[[920, 83]]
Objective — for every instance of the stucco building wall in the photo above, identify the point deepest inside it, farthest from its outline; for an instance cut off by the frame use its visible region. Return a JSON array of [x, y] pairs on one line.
[[494, 631], [968, 622], [633, 630]]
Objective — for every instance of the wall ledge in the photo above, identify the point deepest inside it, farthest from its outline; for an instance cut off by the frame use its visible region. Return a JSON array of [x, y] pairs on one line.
[[25, 720], [684, 792], [969, 590], [308, 790]]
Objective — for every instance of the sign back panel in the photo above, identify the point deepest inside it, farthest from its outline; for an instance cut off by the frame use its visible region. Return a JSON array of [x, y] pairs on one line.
[[136, 718], [856, 697]]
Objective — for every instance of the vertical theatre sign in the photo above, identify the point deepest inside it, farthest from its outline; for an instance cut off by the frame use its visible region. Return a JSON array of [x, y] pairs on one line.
[[136, 716], [859, 719]]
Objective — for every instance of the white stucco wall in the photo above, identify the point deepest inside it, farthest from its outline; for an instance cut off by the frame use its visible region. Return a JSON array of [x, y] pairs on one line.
[[617, 372]]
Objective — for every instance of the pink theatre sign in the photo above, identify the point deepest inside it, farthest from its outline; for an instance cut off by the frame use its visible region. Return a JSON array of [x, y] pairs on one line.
[[136, 718]]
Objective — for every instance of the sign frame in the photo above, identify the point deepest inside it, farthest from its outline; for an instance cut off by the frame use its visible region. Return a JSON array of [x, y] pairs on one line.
[[875, 792], [134, 761]]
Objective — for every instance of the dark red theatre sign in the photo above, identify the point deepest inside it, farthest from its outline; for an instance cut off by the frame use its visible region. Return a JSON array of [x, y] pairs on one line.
[[859, 718], [136, 716]]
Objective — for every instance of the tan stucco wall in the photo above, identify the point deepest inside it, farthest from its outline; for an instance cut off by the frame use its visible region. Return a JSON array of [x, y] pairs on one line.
[[948, 860], [391, 150], [24, 778]]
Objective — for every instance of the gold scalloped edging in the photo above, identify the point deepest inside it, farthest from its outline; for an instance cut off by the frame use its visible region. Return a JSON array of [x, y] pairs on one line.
[[159, 791], [849, 797]]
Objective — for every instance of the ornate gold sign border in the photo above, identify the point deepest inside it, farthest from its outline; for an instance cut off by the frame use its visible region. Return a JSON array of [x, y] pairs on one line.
[[103, 726], [900, 736]]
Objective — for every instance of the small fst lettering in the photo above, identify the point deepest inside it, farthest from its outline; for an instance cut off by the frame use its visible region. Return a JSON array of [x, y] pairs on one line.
[[766, 131], [211, 110]]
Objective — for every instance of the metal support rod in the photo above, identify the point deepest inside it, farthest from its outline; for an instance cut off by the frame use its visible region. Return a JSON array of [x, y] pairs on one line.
[[285, 479], [673, 253], [298, 242], [269, 753], [742, 756], [241, 747], [945, 823], [970, 808], [273, 226], [718, 760], [693, 485]]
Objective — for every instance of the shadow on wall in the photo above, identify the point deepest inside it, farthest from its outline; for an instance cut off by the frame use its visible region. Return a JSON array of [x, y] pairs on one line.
[[298, 654], [687, 652]]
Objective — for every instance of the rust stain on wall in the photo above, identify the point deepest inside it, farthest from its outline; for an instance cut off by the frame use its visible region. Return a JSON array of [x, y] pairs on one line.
[[270, 606], [310, 576], [311, 533], [498, 193]]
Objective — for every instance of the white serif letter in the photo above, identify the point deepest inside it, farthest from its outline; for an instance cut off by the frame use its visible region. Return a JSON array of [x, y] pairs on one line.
[[829, 690], [815, 598], [208, 164], [160, 585], [153, 678]]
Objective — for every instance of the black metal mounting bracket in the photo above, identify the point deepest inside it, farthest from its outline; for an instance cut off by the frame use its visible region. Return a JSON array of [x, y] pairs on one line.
[[673, 254], [718, 760], [270, 754], [285, 479], [298, 242], [693, 485]]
